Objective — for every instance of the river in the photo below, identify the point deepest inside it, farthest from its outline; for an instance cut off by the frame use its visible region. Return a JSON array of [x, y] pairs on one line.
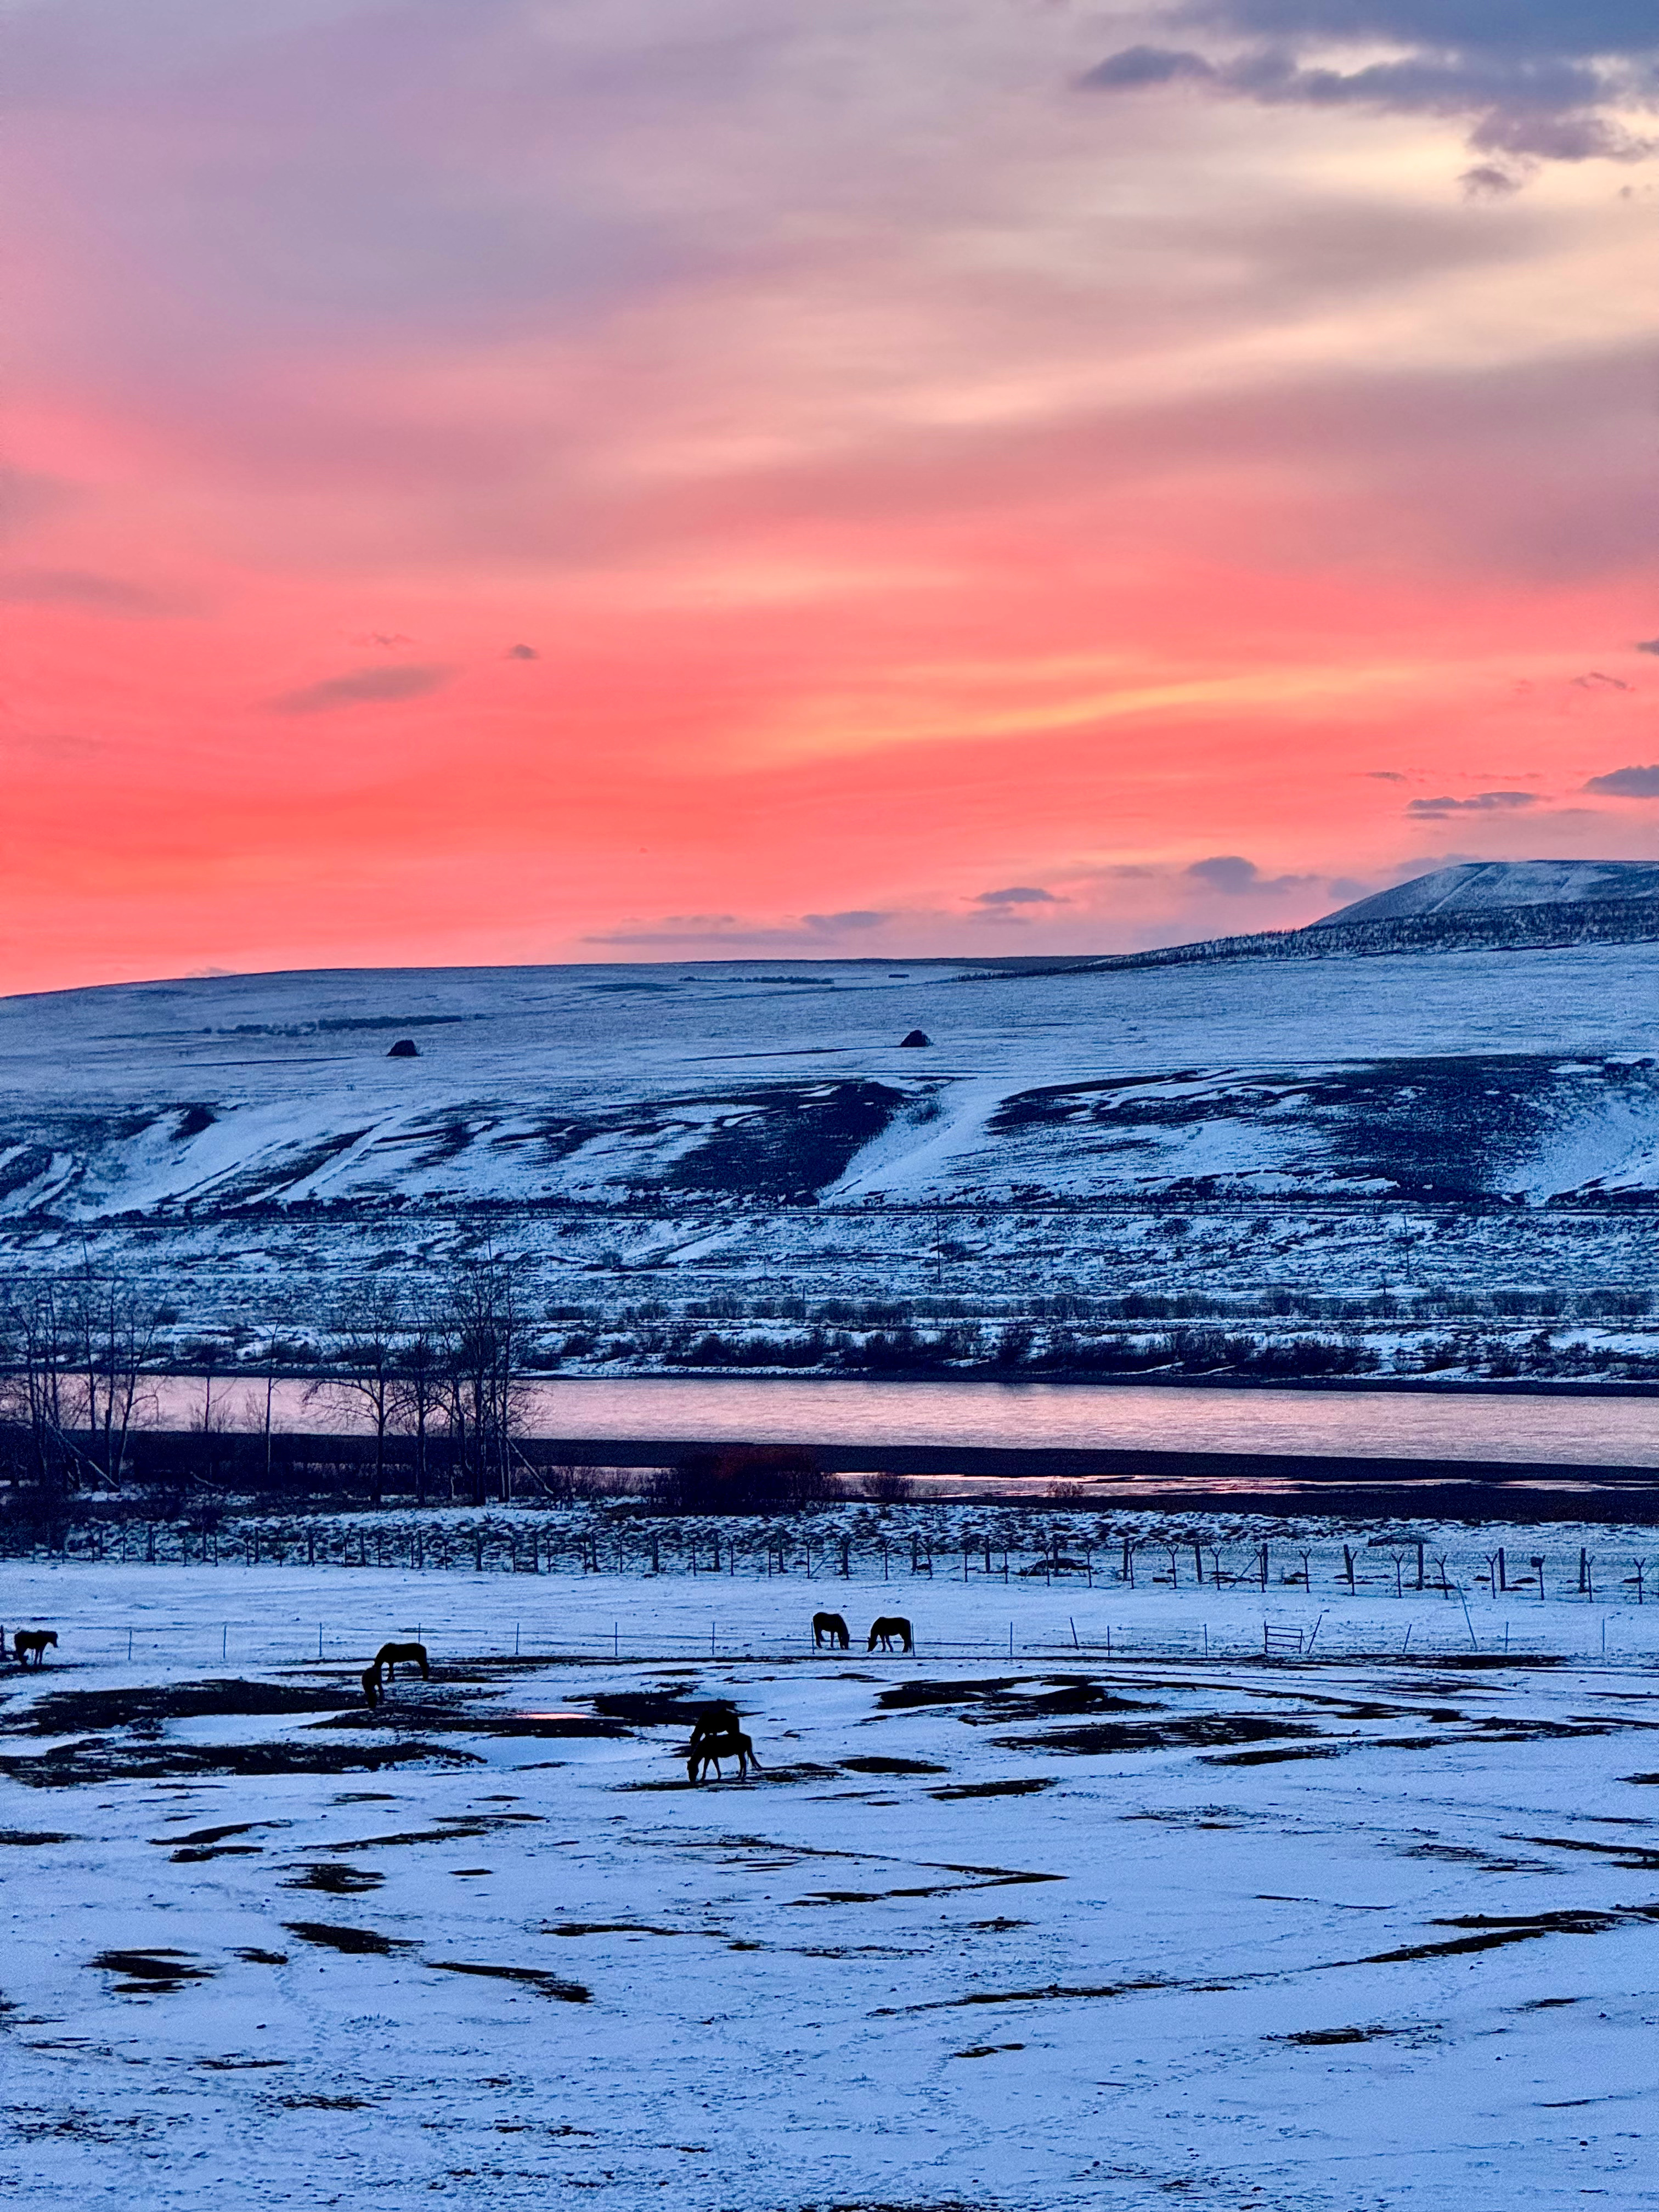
[[1388, 1423]]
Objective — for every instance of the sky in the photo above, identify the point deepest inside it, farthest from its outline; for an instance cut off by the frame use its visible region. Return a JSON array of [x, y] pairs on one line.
[[518, 480]]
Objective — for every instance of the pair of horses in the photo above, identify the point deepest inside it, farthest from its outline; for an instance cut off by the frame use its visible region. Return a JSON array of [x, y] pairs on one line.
[[829, 1628], [387, 1661], [29, 1643], [715, 1735]]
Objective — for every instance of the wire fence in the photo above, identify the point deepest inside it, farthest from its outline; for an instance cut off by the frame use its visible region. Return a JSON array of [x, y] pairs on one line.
[[560, 1545], [333, 1643]]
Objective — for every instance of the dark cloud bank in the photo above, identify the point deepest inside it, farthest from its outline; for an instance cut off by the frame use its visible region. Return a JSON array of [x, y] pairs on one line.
[[1535, 81]]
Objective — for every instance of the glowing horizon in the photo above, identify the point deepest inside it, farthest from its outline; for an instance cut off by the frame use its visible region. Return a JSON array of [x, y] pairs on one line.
[[492, 482]]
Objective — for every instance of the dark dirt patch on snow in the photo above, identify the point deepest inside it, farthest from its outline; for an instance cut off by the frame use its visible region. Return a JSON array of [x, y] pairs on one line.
[[88, 1713], [23, 1836], [607, 1928], [459, 1830], [357, 1941], [1055, 1992], [449, 1719], [1201, 1732], [1272, 1757], [874, 1765], [1493, 1931], [337, 1881], [153, 1972], [905, 1695], [657, 1708], [205, 1836], [1318, 2038], [536, 1977], [1024, 1785], [94, 1760]]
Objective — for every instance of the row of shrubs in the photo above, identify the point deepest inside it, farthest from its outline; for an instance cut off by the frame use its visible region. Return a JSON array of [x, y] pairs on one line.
[[1021, 1350]]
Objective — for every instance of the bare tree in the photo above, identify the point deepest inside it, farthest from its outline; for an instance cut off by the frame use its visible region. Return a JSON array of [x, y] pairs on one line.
[[77, 1346], [485, 1330], [115, 1333], [40, 1382], [369, 1337], [424, 1365]]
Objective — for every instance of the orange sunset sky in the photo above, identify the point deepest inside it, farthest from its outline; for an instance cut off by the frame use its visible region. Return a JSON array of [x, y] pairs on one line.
[[520, 480]]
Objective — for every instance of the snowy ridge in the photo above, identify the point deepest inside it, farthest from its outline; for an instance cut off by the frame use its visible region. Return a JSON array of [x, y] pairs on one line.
[[727, 1135], [760, 1086], [1479, 886]]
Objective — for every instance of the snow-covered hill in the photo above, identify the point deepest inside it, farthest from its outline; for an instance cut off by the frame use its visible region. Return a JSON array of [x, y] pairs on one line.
[[1529, 1076], [748, 1131], [1478, 886]]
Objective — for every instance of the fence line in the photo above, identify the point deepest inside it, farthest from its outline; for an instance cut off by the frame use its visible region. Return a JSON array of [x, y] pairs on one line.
[[1407, 1569], [239, 1643]]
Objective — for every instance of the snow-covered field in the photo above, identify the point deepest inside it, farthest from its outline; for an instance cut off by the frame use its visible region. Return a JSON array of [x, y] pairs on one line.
[[983, 1931]]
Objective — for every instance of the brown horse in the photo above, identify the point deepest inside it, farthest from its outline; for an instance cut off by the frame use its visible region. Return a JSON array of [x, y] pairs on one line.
[[412, 1654], [883, 1632], [371, 1681], [33, 1640], [829, 1628], [709, 1751]]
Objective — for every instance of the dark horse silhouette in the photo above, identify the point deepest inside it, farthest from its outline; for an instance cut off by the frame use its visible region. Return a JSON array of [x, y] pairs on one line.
[[33, 1641], [884, 1631], [829, 1628], [711, 1749], [412, 1654], [371, 1683]]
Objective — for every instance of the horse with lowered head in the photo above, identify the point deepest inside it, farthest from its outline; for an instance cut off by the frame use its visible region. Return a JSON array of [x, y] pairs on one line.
[[709, 1750], [889, 1629], [829, 1628], [31, 1642], [411, 1654]]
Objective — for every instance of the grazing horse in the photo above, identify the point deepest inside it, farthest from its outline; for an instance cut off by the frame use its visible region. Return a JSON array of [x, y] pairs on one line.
[[371, 1683], [720, 1718], [711, 1749], [34, 1640], [884, 1630], [829, 1628], [412, 1654]]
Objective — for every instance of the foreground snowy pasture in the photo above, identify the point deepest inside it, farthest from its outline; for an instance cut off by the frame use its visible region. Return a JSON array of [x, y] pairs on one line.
[[1060, 1930]]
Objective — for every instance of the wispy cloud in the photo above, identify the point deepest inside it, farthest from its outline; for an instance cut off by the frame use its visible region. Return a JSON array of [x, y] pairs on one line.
[[1018, 895], [1627, 783], [364, 687], [81, 587], [1237, 877], [1483, 802]]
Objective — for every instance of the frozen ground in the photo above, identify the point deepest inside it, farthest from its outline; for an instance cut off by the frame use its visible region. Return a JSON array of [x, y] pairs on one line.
[[983, 1932]]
